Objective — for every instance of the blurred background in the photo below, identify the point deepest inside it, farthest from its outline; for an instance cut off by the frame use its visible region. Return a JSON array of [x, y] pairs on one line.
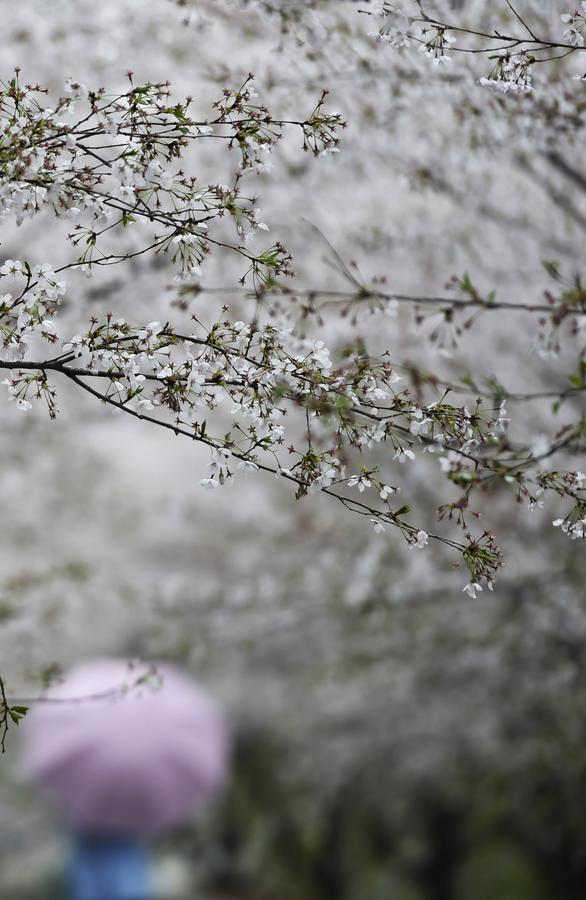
[[393, 740]]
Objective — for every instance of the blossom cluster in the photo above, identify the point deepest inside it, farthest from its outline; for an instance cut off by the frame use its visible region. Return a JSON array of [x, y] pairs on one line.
[[515, 54], [103, 161], [576, 23]]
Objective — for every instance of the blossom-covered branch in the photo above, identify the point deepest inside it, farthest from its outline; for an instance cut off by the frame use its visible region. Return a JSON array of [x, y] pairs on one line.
[[109, 161], [277, 385], [513, 56], [262, 393]]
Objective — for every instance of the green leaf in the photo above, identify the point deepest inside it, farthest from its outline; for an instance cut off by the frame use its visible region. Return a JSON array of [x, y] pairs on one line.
[[17, 713], [341, 403], [552, 267]]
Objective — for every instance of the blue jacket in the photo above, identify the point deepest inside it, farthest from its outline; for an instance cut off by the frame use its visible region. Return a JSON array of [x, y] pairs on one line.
[[110, 867]]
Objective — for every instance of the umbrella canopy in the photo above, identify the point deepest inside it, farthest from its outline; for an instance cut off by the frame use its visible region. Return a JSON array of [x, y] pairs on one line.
[[119, 749]]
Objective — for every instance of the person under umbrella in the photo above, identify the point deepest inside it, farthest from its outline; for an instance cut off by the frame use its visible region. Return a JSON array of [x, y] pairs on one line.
[[124, 753]]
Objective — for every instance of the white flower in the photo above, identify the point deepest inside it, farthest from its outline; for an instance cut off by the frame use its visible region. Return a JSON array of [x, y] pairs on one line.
[[469, 446], [209, 483], [575, 531], [403, 454], [11, 267], [327, 152], [378, 9], [77, 90], [246, 465], [24, 319], [472, 589], [418, 425], [149, 334], [378, 526], [576, 22], [23, 404], [421, 540], [392, 35], [451, 462], [321, 355], [440, 60], [359, 481], [386, 491], [126, 193], [262, 225], [500, 426]]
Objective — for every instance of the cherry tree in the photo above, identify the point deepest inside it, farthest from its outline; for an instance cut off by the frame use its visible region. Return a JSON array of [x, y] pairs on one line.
[[303, 384]]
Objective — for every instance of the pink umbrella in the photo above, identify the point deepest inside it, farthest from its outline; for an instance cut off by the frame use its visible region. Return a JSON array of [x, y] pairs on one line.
[[122, 749]]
